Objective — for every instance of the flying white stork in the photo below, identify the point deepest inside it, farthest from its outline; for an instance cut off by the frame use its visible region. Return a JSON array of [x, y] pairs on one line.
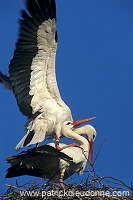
[[49, 163], [33, 77]]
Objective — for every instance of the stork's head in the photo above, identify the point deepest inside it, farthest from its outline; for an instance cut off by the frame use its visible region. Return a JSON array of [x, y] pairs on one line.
[[90, 133], [87, 130], [71, 125]]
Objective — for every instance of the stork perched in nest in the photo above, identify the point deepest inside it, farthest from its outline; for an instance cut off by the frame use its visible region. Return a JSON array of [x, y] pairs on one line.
[[49, 163]]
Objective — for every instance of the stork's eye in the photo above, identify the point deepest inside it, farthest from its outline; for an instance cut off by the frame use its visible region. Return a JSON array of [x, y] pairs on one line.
[[68, 123], [93, 137]]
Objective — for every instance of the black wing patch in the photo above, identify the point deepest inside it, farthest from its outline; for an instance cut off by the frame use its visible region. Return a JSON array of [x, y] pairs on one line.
[[26, 50]]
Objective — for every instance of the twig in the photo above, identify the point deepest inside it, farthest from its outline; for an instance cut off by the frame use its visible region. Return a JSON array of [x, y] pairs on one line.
[[99, 150], [12, 186]]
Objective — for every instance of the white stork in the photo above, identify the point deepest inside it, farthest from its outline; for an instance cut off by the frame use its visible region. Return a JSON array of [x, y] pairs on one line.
[[32, 74], [49, 163]]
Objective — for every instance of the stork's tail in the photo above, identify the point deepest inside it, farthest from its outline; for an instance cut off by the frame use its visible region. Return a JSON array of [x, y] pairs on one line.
[[5, 81], [18, 169], [30, 138], [36, 131], [25, 141], [14, 170]]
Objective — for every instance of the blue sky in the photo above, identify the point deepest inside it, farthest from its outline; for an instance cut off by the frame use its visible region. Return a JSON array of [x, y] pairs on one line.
[[95, 77]]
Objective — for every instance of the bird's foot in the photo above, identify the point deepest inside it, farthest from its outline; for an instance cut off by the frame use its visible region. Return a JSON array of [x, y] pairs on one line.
[[71, 145], [37, 144], [61, 183], [58, 147]]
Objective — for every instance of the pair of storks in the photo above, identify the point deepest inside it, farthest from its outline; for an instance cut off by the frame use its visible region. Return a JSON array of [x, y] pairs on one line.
[[33, 81]]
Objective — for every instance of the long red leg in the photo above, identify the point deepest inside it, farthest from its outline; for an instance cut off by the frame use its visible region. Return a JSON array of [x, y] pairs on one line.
[[57, 143], [61, 179], [70, 145]]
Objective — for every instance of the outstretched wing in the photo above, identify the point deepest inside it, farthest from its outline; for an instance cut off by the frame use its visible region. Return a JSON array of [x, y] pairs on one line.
[[32, 69]]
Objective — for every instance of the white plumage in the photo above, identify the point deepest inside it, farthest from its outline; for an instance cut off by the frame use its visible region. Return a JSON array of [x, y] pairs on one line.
[[33, 76], [51, 163], [44, 91]]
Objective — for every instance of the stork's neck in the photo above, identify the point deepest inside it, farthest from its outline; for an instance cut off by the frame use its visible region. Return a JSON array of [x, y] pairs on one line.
[[80, 139]]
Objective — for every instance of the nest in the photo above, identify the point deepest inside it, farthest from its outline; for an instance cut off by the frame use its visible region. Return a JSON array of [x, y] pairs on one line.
[[94, 187]]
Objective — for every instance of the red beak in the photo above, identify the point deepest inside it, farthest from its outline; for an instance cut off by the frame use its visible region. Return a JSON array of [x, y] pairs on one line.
[[91, 152], [78, 122]]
